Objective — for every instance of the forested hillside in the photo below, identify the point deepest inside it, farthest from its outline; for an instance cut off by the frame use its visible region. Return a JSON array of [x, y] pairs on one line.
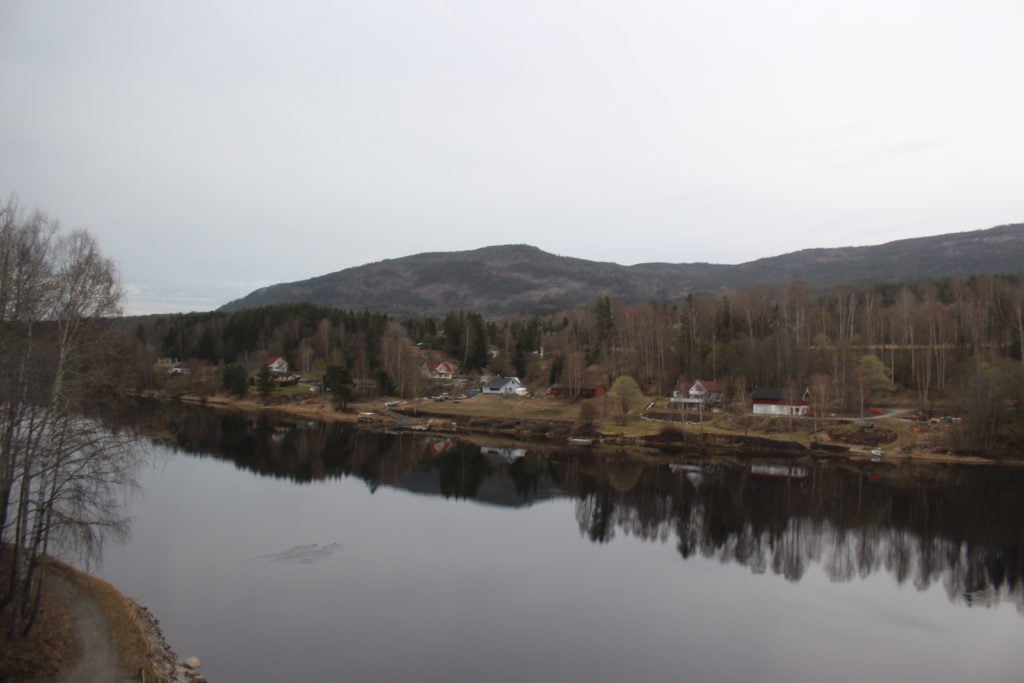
[[956, 340], [515, 279]]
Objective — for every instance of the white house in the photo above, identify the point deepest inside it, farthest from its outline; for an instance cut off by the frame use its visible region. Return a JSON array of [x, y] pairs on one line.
[[697, 396], [277, 365], [776, 401], [506, 386]]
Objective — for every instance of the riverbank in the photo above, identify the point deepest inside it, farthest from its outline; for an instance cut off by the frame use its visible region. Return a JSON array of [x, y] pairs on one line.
[[87, 630], [554, 422]]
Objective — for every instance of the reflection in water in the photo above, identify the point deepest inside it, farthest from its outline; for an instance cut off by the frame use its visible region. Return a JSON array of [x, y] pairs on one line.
[[955, 525]]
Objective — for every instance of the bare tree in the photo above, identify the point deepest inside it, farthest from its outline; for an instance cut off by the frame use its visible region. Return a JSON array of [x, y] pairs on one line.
[[57, 467], [400, 360], [871, 379], [821, 397]]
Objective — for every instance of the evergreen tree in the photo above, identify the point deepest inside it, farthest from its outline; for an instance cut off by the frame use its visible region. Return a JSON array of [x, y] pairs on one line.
[[519, 359], [235, 379], [476, 353], [265, 382], [338, 381]]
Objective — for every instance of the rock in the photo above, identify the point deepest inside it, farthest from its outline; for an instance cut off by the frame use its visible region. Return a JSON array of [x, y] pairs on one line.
[[193, 662]]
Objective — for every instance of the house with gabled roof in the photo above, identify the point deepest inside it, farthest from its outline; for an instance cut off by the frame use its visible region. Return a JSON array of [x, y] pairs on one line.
[[508, 386], [441, 370], [697, 395], [277, 365], [711, 392], [781, 401]]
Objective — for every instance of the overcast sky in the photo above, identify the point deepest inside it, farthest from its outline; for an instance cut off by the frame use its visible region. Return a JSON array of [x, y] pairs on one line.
[[214, 147]]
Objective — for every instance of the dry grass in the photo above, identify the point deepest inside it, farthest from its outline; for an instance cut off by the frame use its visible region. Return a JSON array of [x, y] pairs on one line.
[[632, 427], [501, 407], [49, 648], [548, 409], [529, 408]]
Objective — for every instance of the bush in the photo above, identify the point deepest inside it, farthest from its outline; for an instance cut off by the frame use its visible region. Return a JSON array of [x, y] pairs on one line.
[[590, 414]]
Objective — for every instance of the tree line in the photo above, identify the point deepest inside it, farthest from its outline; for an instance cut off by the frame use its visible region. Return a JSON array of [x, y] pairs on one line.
[[925, 336], [954, 342]]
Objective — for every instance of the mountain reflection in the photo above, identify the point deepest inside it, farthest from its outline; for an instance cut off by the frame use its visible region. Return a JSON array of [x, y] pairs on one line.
[[957, 526]]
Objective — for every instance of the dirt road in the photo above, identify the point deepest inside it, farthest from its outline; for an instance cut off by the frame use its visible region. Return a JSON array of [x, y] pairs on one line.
[[97, 660]]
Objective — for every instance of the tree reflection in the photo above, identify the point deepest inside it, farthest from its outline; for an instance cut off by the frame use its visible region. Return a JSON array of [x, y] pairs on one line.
[[594, 513], [954, 526]]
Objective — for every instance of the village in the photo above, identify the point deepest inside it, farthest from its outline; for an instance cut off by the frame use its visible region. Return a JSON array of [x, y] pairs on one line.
[[701, 415]]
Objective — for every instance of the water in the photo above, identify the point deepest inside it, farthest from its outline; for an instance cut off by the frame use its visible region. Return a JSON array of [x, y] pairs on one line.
[[313, 553]]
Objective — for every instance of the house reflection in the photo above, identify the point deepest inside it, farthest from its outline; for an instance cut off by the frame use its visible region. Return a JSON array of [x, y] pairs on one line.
[[954, 525]]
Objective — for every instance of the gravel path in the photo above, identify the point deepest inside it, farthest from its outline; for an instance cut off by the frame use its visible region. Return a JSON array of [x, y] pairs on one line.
[[97, 655]]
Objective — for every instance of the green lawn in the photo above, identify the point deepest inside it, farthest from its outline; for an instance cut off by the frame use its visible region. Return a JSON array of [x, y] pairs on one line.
[[295, 390]]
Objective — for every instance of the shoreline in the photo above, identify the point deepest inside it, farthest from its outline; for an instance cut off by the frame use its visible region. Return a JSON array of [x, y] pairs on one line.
[[553, 433], [131, 629], [135, 633]]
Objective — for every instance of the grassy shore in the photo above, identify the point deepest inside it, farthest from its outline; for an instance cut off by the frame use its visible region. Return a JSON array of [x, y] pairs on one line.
[[555, 420]]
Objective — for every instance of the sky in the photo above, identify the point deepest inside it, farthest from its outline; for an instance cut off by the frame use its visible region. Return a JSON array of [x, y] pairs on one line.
[[216, 147]]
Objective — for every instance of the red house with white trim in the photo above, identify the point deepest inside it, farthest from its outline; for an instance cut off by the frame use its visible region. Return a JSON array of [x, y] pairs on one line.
[[440, 370]]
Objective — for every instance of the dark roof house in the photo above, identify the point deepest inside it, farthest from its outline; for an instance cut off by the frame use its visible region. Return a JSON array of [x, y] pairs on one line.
[[781, 400], [578, 391]]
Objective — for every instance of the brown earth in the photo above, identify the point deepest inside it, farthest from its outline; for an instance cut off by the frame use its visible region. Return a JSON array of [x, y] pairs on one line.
[[854, 434]]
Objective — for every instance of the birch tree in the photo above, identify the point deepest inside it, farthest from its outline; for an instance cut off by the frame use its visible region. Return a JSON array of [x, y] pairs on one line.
[[59, 470]]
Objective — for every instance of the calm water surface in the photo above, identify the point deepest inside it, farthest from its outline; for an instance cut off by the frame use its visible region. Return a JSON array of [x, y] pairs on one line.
[[317, 553]]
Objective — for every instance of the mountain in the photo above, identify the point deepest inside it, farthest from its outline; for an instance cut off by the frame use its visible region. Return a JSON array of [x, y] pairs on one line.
[[504, 280]]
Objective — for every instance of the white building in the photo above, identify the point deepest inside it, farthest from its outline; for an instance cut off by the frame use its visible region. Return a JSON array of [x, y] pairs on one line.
[[506, 386], [776, 401]]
